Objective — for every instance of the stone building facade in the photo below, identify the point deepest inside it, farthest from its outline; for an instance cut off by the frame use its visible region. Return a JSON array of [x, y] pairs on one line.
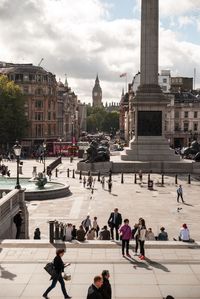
[[40, 90], [182, 121], [52, 108]]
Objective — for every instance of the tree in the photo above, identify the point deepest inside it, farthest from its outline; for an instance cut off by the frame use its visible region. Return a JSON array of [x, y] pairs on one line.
[[13, 123], [98, 119]]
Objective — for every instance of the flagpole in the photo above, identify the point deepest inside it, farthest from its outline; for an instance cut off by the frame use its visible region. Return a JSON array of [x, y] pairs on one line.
[[126, 87]]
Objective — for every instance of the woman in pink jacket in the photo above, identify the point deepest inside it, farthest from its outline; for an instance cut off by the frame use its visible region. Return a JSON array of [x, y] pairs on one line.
[[125, 232]]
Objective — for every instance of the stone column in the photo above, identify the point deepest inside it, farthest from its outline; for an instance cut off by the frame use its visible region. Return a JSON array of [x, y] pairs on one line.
[[149, 42]]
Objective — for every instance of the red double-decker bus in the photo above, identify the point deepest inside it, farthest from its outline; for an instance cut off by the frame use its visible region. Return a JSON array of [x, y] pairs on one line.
[[66, 149]]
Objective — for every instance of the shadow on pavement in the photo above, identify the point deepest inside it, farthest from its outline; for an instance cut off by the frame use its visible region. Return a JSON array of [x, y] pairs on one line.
[[6, 274], [137, 264], [146, 265]]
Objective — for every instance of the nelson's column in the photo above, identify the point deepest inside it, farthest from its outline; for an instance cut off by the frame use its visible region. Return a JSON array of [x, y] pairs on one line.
[[148, 143]]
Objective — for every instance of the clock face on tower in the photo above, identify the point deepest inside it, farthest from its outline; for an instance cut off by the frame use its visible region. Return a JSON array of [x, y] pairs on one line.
[[95, 94]]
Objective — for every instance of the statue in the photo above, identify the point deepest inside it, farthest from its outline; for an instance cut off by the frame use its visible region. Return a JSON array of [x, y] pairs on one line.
[[192, 151], [41, 180], [97, 153]]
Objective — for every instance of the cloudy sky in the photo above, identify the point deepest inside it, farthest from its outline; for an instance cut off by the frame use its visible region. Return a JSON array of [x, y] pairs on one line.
[[81, 38]]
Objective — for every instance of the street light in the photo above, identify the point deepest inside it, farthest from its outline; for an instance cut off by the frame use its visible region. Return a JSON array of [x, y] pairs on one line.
[[44, 150], [60, 140], [17, 150]]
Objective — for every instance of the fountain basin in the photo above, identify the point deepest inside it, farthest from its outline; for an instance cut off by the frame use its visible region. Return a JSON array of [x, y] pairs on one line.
[[51, 190]]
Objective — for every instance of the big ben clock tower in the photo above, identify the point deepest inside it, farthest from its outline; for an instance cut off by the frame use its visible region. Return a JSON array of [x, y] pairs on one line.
[[97, 94]]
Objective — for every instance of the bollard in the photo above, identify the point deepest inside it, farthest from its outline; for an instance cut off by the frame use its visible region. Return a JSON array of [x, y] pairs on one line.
[[162, 180], [88, 173], [110, 174], [149, 177], [73, 174], [135, 179], [56, 172], [51, 231], [68, 172], [99, 176], [80, 176], [122, 178], [57, 230], [189, 179], [176, 179]]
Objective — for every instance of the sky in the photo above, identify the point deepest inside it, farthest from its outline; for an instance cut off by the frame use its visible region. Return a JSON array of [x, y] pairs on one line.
[[81, 38]]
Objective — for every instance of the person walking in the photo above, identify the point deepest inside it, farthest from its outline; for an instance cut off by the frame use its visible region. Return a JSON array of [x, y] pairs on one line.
[[180, 193], [94, 289], [84, 181], [109, 185], [114, 222], [59, 268], [86, 223], [126, 234], [106, 290], [142, 236], [18, 222]]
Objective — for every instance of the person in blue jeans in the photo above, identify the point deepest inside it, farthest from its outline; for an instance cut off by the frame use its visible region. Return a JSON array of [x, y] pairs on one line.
[[59, 268]]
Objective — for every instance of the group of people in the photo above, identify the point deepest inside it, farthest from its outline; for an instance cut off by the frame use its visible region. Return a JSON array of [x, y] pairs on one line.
[[4, 170], [99, 289]]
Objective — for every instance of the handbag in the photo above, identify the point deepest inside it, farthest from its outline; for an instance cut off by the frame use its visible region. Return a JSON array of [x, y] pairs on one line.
[[67, 276], [50, 268]]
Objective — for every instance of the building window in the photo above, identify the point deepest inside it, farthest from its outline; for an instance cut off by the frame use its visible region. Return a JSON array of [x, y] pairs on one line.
[[185, 127], [49, 115], [176, 114], [164, 80], [195, 114], [49, 129], [38, 115], [38, 91], [195, 126], [164, 88], [39, 130], [186, 114], [39, 104], [25, 89], [49, 104], [177, 128]]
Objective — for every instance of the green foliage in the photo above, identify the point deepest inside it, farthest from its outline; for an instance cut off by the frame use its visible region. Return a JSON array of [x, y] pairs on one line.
[[13, 122], [98, 119]]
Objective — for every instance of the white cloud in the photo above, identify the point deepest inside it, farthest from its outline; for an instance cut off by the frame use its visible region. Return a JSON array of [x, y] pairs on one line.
[[76, 37]]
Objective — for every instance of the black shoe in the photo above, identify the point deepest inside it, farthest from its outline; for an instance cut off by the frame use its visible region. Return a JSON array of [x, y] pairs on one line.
[[68, 297], [45, 296]]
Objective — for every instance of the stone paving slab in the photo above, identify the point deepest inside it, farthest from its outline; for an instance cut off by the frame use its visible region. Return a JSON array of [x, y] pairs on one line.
[[130, 278]]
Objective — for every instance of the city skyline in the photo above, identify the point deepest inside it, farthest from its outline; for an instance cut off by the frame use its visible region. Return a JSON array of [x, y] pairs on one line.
[[83, 38]]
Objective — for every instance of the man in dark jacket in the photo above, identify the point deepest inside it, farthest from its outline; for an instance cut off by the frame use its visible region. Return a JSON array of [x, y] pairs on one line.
[[114, 221], [94, 289], [105, 289], [18, 222]]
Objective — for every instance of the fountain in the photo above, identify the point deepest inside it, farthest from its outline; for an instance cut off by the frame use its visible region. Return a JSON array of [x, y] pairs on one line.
[[34, 189]]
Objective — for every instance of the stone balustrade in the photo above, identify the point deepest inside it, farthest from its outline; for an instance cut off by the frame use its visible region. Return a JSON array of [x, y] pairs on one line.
[[10, 203]]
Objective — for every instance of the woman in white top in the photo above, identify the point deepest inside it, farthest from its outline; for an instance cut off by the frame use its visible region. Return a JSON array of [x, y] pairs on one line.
[[185, 234], [68, 232]]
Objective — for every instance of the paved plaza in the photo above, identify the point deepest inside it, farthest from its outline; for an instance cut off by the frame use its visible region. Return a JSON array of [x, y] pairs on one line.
[[167, 270]]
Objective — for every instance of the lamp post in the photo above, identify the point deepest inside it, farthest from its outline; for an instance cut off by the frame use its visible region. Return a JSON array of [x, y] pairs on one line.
[[44, 151], [60, 140], [17, 150]]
